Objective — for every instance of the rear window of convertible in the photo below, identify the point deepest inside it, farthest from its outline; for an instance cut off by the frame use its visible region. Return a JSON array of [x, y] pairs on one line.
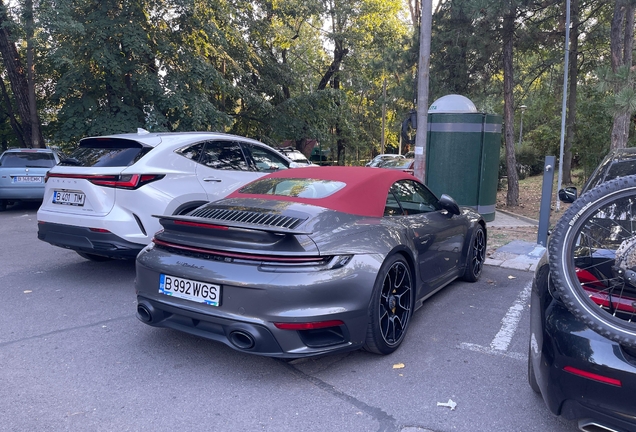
[[106, 152], [294, 187]]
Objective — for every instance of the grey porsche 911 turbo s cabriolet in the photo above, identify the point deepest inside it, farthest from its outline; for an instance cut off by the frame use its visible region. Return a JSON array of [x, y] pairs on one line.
[[304, 263]]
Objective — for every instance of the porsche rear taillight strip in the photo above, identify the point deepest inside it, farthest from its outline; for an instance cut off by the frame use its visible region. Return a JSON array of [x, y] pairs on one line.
[[127, 181], [235, 255]]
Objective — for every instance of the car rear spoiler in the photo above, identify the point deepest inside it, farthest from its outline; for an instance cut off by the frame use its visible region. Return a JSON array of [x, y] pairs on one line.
[[200, 221]]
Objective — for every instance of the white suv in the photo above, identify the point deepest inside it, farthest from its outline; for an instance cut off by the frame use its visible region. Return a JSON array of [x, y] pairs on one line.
[[100, 201]]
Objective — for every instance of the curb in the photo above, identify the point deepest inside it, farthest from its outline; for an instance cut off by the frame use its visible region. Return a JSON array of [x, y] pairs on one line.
[[523, 218]]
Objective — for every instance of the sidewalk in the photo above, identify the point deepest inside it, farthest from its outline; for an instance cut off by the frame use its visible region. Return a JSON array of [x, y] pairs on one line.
[[518, 255]]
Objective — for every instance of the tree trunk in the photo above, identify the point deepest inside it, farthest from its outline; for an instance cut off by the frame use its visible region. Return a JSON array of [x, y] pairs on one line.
[[512, 197], [33, 111], [17, 78], [573, 74], [338, 55], [621, 44], [15, 125], [340, 143]]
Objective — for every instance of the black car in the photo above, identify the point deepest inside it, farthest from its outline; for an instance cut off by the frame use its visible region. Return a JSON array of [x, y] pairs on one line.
[[582, 375], [617, 163], [585, 369]]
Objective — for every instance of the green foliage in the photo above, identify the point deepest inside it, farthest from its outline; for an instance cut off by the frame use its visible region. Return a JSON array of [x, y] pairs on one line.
[[529, 160], [253, 67], [620, 88], [592, 141]]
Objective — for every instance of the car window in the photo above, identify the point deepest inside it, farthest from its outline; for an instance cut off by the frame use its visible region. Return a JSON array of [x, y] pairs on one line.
[[264, 159], [410, 198], [397, 163], [192, 152], [106, 152], [392, 207], [621, 168], [295, 187], [610, 169], [224, 155], [27, 160]]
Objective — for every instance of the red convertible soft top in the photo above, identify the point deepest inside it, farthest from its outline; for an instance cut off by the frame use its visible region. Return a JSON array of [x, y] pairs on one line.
[[364, 194]]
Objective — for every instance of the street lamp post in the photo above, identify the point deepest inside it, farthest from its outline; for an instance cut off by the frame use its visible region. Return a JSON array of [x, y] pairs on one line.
[[523, 109]]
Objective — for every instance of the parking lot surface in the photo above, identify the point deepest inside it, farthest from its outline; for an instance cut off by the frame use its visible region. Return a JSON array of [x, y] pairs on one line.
[[74, 357]]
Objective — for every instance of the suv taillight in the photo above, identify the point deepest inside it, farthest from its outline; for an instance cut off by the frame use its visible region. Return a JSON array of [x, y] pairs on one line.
[[126, 181]]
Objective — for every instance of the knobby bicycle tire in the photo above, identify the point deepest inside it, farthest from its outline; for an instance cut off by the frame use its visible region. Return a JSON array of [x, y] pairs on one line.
[[584, 251]]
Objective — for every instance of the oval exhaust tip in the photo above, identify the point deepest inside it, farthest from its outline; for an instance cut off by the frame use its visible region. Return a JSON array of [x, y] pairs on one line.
[[143, 313], [242, 340]]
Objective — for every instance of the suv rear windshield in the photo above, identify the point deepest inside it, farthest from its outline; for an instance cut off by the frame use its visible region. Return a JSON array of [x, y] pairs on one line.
[[612, 167], [106, 152], [27, 160]]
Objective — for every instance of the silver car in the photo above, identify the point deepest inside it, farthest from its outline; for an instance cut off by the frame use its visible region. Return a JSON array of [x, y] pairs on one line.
[[22, 174]]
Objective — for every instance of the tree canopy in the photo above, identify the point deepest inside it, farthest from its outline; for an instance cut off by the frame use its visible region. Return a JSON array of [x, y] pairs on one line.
[[323, 71]]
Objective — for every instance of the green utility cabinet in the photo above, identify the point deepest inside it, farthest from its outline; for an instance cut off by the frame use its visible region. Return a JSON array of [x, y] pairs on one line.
[[462, 158]]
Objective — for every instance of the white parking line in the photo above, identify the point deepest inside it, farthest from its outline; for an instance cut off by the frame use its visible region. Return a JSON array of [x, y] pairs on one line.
[[509, 324]]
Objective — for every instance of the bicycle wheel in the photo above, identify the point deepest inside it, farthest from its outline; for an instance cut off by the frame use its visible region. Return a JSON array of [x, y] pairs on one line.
[[592, 254]]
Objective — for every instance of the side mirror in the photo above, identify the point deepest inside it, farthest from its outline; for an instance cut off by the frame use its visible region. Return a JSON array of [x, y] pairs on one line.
[[449, 204], [568, 195]]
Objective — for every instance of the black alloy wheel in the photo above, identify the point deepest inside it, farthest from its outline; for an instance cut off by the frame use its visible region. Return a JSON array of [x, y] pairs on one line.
[[391, 306], [476, 255]]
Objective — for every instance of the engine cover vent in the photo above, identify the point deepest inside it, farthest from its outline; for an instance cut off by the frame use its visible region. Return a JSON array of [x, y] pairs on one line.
[[248, 217]]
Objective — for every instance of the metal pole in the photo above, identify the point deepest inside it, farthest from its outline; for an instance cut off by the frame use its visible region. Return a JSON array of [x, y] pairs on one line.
[[382, 139], [419, 169], [546, 197], [565, 97]]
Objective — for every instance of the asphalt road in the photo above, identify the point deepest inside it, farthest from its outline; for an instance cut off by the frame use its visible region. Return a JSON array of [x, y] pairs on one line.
[[74, 357]]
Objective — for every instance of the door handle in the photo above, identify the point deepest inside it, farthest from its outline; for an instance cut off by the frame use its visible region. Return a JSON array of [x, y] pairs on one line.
[[212, 179], [424, 239]]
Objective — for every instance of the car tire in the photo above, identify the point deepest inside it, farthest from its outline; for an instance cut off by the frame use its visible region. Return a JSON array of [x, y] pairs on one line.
[[391, 306], [532, 378], [564, 241], [476, 255], [93, 257], [3, 205]]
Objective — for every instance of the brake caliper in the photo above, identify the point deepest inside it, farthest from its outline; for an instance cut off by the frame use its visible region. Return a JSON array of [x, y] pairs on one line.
[[625, 262]]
